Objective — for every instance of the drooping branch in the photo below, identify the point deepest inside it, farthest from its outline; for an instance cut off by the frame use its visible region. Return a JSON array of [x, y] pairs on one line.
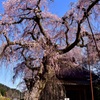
[[82, 43], [28, 61], [35, 18], [77, 40], [15, 22], [67, 30], [22, 44]]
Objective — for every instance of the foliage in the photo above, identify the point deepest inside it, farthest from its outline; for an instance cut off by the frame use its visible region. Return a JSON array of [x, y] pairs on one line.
[[3, 92], [35, 39]]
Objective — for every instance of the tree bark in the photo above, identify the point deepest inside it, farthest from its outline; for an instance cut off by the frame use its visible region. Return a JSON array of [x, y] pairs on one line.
[[53, 90], [48, 89]]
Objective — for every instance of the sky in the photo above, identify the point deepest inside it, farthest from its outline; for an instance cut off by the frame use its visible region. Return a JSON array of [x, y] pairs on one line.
[[59, 7]]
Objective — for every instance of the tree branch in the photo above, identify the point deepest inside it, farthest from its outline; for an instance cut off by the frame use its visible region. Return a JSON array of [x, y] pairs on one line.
[[71, 46]]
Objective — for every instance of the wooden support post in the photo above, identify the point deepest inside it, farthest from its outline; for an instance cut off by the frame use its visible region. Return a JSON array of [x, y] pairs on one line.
[[90, 75]]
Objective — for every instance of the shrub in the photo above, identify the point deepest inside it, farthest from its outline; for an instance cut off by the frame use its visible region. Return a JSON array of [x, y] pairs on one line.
[[3, 92]]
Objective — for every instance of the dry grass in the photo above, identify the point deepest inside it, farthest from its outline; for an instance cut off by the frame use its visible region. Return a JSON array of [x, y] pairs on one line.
[[4, 98]]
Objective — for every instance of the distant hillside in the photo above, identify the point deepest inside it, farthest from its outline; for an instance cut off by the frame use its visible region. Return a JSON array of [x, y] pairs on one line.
[[10, 93]]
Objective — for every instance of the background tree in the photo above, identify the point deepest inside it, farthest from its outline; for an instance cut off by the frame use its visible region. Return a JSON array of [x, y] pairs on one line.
[[35, 39]]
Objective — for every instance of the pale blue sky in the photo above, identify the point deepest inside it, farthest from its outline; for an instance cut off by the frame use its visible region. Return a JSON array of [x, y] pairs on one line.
[[59, 7]]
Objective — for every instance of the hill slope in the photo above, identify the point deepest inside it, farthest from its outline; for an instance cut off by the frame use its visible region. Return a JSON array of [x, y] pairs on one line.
[[10, 93]]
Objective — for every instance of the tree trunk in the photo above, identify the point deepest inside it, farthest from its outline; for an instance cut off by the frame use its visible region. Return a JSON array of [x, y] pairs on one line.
[[53, 90], [37, 89], [48, 89]]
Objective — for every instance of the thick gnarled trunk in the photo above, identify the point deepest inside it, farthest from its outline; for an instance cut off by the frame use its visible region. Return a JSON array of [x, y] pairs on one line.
[[39, 86], [48, 89], [53, 90]]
